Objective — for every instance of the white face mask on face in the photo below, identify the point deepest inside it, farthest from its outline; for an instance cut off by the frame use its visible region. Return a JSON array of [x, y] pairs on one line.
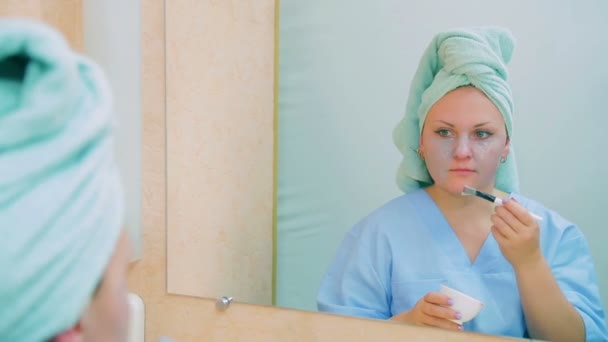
[[463, 140]]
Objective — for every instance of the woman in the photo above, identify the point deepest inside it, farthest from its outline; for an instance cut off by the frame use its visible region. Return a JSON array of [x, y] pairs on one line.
[[63, 254], [536, 278]]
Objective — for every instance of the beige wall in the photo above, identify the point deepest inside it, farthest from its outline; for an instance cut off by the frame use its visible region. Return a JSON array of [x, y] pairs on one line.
[[147, 277], [182, 317], [64, 15]]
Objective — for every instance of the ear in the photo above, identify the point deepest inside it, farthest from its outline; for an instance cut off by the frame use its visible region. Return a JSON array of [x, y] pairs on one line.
[[505, 151], [74, 334], [420, 145]]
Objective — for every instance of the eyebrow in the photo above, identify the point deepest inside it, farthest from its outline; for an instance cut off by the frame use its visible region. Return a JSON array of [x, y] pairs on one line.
[[452, 125]]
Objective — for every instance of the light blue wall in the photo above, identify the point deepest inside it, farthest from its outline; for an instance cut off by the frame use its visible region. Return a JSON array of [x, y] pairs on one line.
[[112, 38], [345, 68]]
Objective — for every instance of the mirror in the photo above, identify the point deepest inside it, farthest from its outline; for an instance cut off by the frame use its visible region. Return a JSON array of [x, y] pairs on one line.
[[343, 79], [220, 147]]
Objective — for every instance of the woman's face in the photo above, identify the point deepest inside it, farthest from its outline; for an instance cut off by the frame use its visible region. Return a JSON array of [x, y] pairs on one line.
[[463, 139]]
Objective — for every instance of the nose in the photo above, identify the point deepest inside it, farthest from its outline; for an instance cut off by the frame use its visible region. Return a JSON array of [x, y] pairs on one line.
[[462, 150]]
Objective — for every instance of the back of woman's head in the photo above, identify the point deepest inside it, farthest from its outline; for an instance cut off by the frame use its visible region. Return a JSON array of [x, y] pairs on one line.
[[60, 195]]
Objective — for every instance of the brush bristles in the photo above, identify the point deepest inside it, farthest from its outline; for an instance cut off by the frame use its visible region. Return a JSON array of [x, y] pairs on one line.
[[467, 191]]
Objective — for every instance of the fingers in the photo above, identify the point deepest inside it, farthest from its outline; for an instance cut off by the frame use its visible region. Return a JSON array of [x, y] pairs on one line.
[[518, 212], [437, 312], [502, 228], [508, 218], [437, 298], [441, 313], [432, 310]]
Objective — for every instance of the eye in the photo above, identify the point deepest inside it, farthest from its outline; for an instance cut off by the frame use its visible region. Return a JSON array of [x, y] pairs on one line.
[[443, 132], [483, 134]]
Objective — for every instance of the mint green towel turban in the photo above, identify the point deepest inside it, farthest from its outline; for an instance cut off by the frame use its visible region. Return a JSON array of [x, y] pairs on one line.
[[478, 57], [60, 196]]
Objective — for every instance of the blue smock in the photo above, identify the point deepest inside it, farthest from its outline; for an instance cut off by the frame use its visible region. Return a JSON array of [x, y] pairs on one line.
[[406, 248]]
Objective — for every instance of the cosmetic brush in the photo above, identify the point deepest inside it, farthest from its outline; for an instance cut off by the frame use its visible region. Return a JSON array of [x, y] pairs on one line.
[[468, 191]]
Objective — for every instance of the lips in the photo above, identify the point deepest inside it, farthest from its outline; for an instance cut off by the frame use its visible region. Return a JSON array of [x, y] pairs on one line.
[[462, 170]]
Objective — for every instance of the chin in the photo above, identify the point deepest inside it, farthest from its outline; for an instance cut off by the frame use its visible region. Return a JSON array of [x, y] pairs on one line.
[[456, 192], [457, 187], [453, 189]]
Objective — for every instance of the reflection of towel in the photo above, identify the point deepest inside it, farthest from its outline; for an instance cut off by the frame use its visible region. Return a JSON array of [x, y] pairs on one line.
[[60, 197], [456, 58]]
